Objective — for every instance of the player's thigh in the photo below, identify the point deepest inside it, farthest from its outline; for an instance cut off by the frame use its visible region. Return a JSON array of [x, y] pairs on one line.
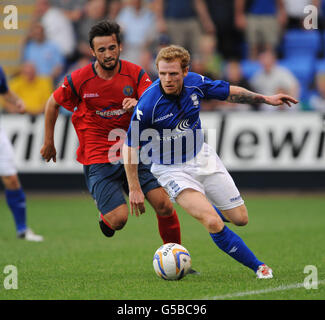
[[221, 190], [198, 206], [105, 183], [159, 200]]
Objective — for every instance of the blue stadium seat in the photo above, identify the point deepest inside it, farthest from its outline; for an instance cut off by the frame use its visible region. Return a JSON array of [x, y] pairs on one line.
[[249, 68], [297, 43], [303, 68], [320, 65]]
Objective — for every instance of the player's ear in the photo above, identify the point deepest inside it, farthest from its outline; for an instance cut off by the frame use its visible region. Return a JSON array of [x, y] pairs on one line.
[[185, 71], [92, 52]]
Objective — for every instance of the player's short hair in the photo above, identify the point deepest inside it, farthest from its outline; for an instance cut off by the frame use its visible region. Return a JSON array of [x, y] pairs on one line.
[[172, 53], [104, 28]]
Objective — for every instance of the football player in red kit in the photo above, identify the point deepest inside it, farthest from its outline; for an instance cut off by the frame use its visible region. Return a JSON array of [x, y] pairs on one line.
[[102, 96]]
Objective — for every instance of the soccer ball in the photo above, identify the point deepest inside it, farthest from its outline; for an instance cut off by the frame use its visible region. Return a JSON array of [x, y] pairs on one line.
[[172, 261]]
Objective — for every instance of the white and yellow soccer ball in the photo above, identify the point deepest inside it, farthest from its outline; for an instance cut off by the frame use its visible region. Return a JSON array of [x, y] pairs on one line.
[[172, 261]]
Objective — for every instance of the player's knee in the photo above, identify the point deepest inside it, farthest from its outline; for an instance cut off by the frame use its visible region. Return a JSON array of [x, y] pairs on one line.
[[11, 182], [242, 219], [119, 224], [164, 207], [213, 223]]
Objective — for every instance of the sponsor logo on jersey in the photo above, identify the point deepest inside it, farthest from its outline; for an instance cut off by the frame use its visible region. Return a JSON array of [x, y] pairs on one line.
[[164, 117], [195, 100], [107, 114], [128, 91], [90, 95]]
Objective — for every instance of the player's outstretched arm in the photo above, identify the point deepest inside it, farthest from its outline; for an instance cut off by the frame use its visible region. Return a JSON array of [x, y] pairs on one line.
[[242, 95], [48, 150], [136, 196]]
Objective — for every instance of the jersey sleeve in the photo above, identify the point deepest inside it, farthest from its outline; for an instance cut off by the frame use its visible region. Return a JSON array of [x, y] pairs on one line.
[[139, 122], [217, 89], [143, 83], [66, 95], [3, 82]]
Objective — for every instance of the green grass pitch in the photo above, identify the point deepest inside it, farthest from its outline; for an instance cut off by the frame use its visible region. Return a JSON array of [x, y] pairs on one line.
[[77, 262]]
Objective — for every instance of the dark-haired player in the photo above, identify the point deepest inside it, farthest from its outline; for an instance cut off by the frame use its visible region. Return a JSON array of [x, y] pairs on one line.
[[102, 96]]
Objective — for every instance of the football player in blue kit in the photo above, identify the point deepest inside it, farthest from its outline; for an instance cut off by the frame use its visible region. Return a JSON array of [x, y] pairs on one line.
[[14, 193], [187, 167]]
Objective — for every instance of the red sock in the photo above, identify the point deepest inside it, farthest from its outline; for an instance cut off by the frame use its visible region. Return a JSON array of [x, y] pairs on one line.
[[169, 228], [105, 221]]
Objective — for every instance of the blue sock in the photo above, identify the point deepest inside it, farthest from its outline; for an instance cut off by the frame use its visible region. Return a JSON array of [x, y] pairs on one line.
[[233, 245], [17, 203], [220, 214]]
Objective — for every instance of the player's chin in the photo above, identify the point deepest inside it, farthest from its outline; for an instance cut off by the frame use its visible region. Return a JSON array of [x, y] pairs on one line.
[[109, 65]]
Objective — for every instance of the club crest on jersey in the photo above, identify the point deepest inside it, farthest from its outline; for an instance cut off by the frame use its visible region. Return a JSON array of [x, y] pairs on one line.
[[195, 100], [128, 91]]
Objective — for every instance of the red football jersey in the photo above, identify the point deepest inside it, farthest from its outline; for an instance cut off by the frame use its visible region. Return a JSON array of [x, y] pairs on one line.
[[97, 108]]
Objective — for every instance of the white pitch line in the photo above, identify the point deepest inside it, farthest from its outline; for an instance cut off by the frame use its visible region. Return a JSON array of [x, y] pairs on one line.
[[256, 292]]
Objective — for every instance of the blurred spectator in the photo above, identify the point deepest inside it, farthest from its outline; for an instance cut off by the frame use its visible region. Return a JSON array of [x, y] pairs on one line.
[[58, 28], [72, 9], [147, 62], [32, 88], [317, 99], [234, 75], [94, 11], [228, 37], [211, 59], [295, 12], [181, 20], [261, 23], [44, 54], [273, 79], [138, 29]]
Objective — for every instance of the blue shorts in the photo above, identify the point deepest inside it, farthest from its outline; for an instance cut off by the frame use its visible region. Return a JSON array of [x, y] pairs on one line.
[[106, 183]]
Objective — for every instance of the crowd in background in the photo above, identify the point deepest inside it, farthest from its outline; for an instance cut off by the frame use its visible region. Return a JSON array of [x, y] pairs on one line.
[[256, 44]]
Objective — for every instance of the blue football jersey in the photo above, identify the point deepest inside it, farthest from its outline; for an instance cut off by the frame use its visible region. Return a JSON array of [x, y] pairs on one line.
[[3, 82], [168, 127]]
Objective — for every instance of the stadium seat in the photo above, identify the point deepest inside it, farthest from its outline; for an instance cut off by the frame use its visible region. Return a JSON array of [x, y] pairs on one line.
[[303, 68], [320, 65], [249, 68], [298, 43]]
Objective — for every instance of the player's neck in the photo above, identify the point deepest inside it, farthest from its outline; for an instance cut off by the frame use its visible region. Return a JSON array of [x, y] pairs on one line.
[[106, 74]]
